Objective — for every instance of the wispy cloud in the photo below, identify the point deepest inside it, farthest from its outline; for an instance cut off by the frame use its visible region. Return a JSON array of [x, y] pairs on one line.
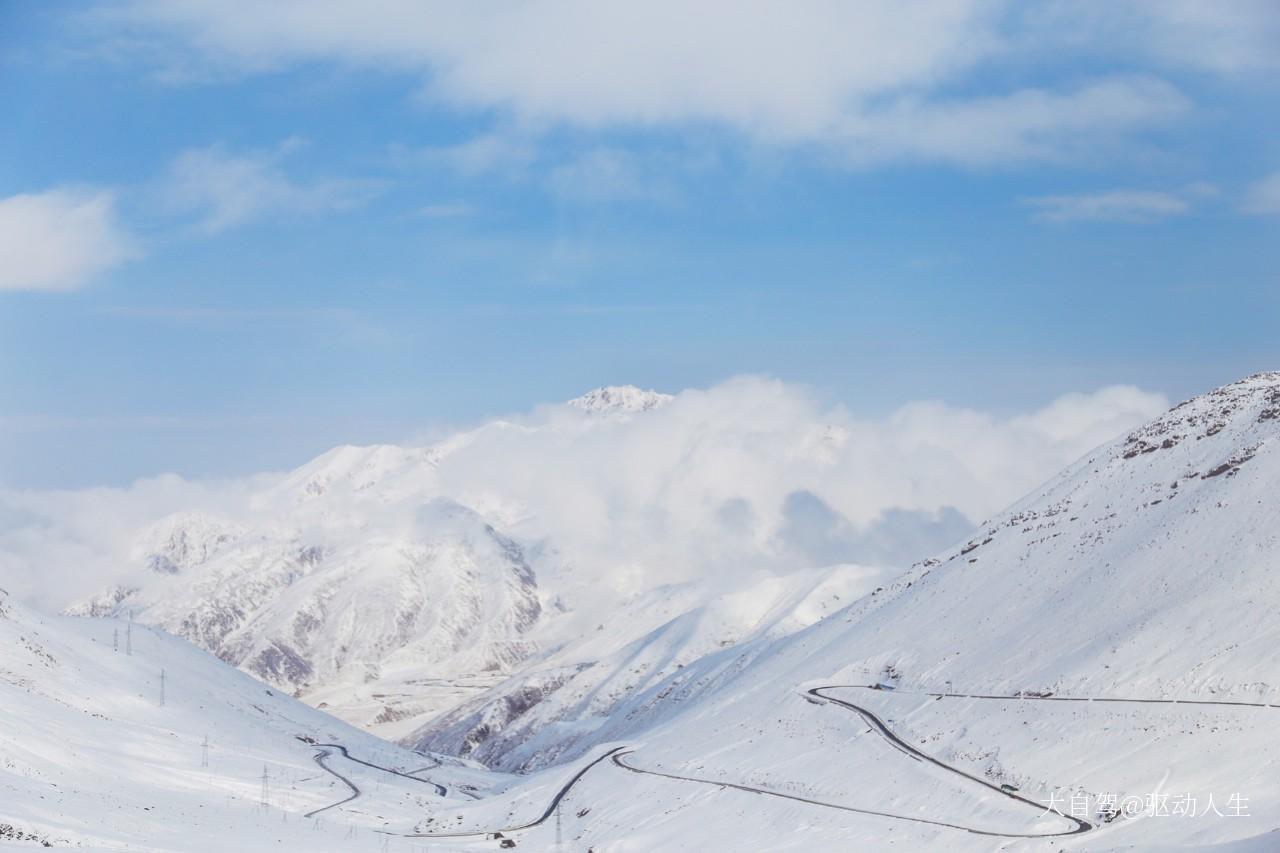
[[221, 189], [1033, 125], [59, 239], [1264, 196], [1135, 206], [216, 314], [445, 211], [494, 152], [608, 175]]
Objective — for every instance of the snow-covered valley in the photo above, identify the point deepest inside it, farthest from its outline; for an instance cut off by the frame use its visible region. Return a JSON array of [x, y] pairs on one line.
[[1092, 669]]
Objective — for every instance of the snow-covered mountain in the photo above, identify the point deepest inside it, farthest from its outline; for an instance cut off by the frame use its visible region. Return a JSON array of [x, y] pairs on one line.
[[357, 584], [1103, 653], [392, 584], [1095, 670], [620, 400], [448, 595]]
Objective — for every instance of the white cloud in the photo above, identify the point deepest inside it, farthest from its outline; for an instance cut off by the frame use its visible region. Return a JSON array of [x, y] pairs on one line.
[[1264, 196], [222, 189], [56, 544], [1139, 206], [749, 475], [876, 79], [58, 240], [1022, 126], [1225, 36]]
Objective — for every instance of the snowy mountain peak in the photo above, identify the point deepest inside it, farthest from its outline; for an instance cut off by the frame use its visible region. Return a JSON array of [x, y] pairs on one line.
[[183, 540], [1240, 412], [620, 399]]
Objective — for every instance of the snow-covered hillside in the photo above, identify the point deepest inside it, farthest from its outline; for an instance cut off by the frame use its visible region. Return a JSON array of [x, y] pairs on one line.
[[122, 737], [391, 584], [1108, 643], [548, 711], [1094, 670]]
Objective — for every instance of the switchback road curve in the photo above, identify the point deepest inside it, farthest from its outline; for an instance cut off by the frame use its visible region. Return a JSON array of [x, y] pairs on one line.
[[617, 758], [324, 752]]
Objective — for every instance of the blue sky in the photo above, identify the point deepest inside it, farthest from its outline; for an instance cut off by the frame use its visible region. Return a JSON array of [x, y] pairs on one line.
[[231, 237]]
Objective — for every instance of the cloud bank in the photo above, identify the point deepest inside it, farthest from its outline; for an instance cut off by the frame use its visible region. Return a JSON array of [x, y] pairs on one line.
[[750, 475], [872, 80]]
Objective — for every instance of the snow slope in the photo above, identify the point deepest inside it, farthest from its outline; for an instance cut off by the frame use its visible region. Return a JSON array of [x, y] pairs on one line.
[[1102, 656], [92, 754], [1144, 572], [1110, 638], [547, 711]]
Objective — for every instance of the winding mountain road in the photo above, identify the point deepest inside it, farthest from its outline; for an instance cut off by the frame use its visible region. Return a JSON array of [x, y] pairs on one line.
[[324, 751], [902, 746], [550, 810], [1039, 697], [817, 695], [440, 789], [355, 792], [618, 754]]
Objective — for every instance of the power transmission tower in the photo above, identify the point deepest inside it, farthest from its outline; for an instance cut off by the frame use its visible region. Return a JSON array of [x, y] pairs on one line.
[[162, 688], [204, 752]]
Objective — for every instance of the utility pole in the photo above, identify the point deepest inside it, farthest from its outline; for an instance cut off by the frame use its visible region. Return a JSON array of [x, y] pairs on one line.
[[162, 688], [559, 834], [204, 752], [128, 636], [266, 788], [115, 639]]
